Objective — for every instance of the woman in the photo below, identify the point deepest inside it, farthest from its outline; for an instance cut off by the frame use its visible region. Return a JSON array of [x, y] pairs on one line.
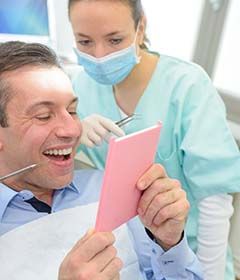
[[123, 77]]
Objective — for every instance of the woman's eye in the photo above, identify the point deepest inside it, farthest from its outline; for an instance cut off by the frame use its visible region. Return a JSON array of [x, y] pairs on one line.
[[84, 42], [115, 41]]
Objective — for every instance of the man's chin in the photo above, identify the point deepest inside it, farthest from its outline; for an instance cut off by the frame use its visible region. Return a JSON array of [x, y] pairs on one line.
[[63, 181], [57, 182]]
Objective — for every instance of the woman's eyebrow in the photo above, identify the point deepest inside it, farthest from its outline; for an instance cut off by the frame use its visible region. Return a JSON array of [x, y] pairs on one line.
[[117, 32], [82, 35]]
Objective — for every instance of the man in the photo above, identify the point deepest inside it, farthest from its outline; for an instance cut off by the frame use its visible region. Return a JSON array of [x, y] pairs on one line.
[[38, 124]]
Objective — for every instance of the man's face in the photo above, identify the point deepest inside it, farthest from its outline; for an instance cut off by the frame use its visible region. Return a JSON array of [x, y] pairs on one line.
[[42, 128]]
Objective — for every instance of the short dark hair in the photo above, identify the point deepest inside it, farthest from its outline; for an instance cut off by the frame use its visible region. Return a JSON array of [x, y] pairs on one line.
[[15, 55]]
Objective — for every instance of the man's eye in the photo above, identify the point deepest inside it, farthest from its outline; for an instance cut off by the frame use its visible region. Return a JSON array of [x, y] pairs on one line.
[[43, 117], [73, 112]]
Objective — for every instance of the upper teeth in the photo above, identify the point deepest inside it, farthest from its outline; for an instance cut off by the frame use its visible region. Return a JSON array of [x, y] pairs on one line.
[[59, 152]]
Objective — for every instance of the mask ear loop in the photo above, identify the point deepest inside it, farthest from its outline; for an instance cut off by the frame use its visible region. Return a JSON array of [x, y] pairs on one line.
[[134, 43]]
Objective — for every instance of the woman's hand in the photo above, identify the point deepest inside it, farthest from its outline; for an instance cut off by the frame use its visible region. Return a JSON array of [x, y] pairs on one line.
[[96, 128]]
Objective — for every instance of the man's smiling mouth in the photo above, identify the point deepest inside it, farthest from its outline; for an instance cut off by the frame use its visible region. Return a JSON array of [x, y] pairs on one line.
[[58, 154]]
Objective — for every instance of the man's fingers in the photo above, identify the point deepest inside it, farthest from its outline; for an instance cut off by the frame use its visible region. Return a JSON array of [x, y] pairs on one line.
[[169, 212], [91, 245], [93, 257], [156, 171], [96, 243], [102, 259], [159, 187], [85, 237], [111, 272], [159, 202]]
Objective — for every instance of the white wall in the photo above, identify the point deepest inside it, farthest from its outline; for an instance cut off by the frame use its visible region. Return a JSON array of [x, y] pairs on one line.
[[63, 34]]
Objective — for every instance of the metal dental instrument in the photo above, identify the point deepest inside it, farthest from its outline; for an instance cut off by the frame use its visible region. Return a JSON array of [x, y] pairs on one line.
[[19, 171], [126, 120]]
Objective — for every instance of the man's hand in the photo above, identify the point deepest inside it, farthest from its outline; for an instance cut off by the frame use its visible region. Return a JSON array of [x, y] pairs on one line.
[[96, 128], [93, 258], [163, 207]]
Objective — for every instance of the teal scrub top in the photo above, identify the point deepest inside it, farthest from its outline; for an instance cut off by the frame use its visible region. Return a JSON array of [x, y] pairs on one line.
[[196, 145]]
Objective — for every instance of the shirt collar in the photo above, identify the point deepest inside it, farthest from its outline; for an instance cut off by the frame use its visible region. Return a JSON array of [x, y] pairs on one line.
[[70, 187], [6, 195], [73, 187]]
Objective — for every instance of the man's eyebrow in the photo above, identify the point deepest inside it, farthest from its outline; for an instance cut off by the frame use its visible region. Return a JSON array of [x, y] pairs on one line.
[[48, 104], [39, 104], [74, 100]]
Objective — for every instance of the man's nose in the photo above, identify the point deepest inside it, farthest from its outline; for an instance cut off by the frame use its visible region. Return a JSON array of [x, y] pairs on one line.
[[69, 126]]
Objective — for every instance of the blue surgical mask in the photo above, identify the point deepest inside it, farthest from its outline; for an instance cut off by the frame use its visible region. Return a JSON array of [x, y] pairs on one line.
[[110, 69]]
